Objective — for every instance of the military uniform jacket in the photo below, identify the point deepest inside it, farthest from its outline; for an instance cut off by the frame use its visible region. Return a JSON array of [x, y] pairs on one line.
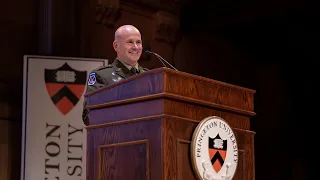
[[106, 75]]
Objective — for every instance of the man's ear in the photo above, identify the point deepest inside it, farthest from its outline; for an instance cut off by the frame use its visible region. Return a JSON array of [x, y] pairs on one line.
[[115, 45]]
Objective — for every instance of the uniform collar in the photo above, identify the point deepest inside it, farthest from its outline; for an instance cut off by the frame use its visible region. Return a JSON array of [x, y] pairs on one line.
[[128, 66], [121, 69]]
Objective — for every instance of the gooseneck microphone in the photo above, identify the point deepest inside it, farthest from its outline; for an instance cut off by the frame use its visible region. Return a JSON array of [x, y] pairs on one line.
[[161, 59]]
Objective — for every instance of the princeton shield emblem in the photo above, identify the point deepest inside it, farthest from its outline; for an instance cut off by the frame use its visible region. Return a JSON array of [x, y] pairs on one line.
[[65, 86], [217, 152], [214, 149]]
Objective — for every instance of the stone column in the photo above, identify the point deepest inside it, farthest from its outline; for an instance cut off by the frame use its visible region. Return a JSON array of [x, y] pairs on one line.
[[165, 36], [58, 28], [167, 25], [45, 27]]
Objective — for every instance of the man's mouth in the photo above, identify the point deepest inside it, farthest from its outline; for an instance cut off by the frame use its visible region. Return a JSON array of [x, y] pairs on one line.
[[134, 53]]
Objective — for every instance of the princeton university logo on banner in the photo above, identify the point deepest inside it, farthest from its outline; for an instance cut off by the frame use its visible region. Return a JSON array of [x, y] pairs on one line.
[[65, 86], [214, 150], [54, 137]]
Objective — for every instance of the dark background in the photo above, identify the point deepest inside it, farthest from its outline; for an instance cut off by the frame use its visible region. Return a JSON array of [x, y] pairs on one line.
[[282, 42], [269, 46]]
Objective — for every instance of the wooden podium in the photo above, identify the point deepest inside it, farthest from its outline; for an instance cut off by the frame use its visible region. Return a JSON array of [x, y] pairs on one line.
[[140, 128]]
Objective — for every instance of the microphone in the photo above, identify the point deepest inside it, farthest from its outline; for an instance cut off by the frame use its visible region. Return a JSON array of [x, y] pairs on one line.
[[161, 59]]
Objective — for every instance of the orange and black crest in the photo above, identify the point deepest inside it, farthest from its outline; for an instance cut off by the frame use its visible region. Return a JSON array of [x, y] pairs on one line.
[[65, 86], [217, 152]]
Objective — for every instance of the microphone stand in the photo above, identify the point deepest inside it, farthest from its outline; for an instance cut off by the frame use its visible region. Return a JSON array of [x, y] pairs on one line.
[[161, 59]]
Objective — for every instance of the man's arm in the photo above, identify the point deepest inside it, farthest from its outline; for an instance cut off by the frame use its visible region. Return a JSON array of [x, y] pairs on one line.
[[95, 81]]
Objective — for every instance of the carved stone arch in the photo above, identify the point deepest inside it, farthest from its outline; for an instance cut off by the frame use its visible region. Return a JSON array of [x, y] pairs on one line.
[[167, 26], [107, 12]]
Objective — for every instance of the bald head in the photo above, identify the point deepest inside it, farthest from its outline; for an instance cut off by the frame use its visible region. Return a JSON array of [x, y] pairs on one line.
[[124, 31], [128, 44]]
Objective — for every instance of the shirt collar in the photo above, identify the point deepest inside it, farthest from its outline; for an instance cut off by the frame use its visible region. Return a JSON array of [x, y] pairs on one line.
[[128, 66]]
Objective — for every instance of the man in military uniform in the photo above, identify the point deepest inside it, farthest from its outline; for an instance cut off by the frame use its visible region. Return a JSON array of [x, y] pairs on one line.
[[128, 46]]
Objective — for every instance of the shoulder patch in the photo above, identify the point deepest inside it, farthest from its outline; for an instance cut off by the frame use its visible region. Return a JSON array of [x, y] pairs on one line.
[[92, 78]]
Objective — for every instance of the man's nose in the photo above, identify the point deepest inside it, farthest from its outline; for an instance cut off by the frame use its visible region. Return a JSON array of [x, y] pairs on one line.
[[135, 45]]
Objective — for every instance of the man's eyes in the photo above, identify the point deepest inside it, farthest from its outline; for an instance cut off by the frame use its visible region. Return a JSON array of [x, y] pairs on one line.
[[131, 42]]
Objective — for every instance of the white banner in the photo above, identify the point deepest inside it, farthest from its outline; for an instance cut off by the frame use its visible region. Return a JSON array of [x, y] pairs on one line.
[[54, 137]]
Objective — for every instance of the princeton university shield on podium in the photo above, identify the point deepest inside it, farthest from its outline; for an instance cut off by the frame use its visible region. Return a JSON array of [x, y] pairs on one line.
[[217, 152], [214, 150]]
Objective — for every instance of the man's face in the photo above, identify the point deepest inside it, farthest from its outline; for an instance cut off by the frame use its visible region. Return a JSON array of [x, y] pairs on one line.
[[129, 48]]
